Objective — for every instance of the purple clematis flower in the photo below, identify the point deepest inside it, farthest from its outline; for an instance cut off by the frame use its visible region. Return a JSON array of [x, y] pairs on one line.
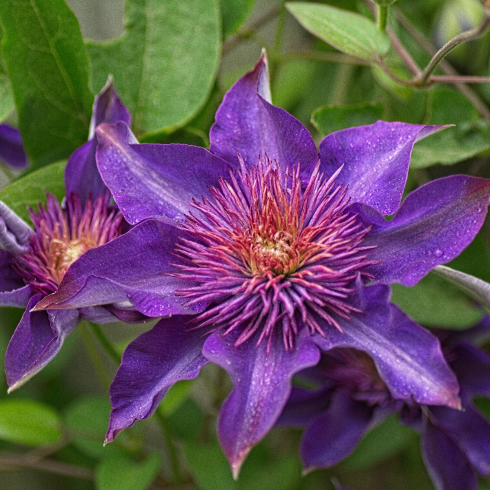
[[12, 151], [353, 397], [259, 255], [34, 261]]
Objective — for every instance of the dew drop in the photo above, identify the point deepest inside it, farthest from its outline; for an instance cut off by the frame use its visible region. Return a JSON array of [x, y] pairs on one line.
[[438, 253]]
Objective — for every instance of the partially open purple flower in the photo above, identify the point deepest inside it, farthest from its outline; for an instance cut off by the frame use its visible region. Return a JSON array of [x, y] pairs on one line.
[[352, 397], [34, 261], [259, 253], [12, 151]]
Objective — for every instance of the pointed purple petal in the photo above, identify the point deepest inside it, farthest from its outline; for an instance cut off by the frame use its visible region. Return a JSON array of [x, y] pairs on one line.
[[108, 108], [408, 357], [375, 159], [132, 267], [446, 463], [248, 124], [81, 174], [262, 383], [469, 430], [13, 290], [150, 365], [151, 180], [36, 340], [434, 225], [334, 435], [11, 148]]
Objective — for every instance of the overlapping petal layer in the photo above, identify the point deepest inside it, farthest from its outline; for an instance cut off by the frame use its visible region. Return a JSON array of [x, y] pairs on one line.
[[408, 357], [134, 267], [150, 180]]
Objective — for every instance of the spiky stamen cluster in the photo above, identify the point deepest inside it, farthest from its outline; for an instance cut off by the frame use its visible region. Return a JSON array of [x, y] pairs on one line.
[[270, 256], [62, 235]]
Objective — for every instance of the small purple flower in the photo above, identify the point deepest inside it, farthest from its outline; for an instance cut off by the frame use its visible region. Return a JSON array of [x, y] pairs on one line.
[[12, 151], [34, 261], [258, 254], [352, 397]]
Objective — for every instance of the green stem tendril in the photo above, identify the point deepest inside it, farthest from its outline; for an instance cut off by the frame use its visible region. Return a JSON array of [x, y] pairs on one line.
[[94, 355], [382, 11], [105, 343], [172, 451]]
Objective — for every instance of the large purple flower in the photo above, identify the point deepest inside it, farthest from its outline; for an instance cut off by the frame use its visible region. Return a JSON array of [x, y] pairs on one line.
[[33, 261], [259, 255], [352, 397]]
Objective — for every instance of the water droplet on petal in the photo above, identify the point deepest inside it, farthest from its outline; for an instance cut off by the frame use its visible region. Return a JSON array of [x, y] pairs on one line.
[[438, 253]]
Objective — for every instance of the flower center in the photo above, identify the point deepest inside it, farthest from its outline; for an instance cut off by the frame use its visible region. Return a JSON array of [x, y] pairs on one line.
[[271, 255], [62, 235]]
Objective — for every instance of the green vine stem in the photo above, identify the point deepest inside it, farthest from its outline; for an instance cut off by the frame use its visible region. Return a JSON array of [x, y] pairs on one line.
[[94, 355], [382, 14], [446, 67], [105, 343], [423, 78]]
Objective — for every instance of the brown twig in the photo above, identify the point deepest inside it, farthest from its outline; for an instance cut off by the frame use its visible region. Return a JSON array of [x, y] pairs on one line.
[[10, 461], [403, 53], [456, 79]]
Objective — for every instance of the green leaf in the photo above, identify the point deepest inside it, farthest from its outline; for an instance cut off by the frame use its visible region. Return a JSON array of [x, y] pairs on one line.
[[266, 471], [29, 422], [436, 303], [31, 189], [122, 473], [475, 288], [48, 68], [233, 14], [330, 118], [483, 404], [6, 96], [209, 466], [349, 32], [469, 137], [165, 63], [475, 258], [262, 469], [175, 397], [381, 443], [87, 420], [186, 422]]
